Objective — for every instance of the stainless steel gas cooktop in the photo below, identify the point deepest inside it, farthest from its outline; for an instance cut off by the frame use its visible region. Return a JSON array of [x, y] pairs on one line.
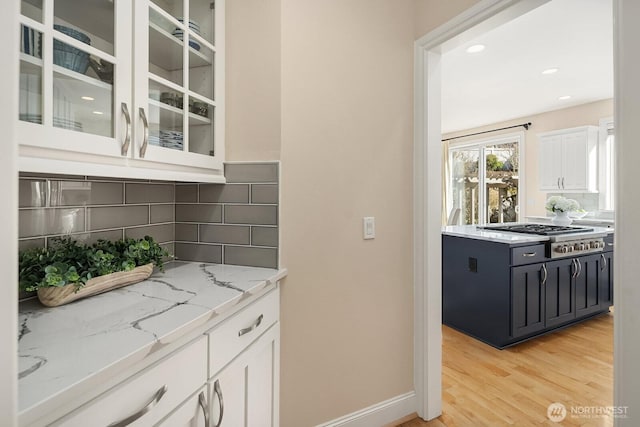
[[540, 229]]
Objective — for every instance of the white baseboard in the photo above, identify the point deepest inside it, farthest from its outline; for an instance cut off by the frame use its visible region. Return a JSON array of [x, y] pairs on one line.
[[379, 414]]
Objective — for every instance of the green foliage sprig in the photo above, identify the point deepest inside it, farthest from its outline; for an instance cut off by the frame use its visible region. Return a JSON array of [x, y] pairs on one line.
[[66, 261]]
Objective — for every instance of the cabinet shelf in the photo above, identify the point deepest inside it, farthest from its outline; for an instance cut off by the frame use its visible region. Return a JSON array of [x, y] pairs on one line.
[[165, 51], [168, 114]]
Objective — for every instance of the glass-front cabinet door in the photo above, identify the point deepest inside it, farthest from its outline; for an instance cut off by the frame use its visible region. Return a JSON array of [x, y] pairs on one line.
[[179, 82], [75, 76]]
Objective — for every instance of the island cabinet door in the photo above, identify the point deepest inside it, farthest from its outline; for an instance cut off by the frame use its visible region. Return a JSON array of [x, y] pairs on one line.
[[588, 285], [606, 279], [560, 292], [527, 299]]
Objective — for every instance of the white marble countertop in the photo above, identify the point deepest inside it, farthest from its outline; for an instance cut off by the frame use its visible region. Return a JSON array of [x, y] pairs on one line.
[[472, 232], [63, 346]]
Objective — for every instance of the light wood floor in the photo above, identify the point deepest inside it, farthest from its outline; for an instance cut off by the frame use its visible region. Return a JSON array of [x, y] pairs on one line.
[[483, 386]]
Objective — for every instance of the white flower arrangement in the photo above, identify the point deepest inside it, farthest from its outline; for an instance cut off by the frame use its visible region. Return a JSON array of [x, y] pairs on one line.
[[561, 204]]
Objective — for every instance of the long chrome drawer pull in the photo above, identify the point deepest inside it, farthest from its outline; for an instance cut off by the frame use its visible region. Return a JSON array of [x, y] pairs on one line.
[[127, 138], [218, 391], [529, 254], [205, 409], [544, 274], [145, 140], [252, 327], [149, 406]]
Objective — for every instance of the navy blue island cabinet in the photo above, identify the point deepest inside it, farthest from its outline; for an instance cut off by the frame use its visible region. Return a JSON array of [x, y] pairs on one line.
[[503, 294]]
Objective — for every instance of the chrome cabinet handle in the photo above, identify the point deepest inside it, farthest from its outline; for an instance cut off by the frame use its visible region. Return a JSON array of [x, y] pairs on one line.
[[218, 391], [574, 266], [205, 410], [127, 138], [145, 140], [529, 254], [563, 182], [558, 184], [252, 327], [579, 267], [544, 274], [603, 265], [149, 406]]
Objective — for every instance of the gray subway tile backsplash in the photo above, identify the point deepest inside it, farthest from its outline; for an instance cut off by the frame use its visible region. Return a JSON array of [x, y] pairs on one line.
[[198, 252], [251, 214], [224, 193], [264, 193], [251, 172], [230, 234], [247, 255], [198, 222]]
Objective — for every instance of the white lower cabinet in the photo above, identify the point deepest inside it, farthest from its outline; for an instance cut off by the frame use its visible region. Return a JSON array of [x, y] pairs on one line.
[[149, 395], [192, 413], [245, 392]]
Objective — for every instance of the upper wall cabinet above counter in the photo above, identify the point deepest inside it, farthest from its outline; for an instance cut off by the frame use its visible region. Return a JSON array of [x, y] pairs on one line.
[[122, 88], [568, 160]]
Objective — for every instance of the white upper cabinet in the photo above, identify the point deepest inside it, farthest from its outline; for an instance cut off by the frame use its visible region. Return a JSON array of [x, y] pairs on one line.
[[122, 88], [568, 160]]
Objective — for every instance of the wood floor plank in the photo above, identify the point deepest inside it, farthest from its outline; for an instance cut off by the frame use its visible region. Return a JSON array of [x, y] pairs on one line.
[[483, 386]]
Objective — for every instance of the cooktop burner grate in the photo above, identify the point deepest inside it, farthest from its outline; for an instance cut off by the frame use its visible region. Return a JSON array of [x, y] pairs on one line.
[[540, 229]]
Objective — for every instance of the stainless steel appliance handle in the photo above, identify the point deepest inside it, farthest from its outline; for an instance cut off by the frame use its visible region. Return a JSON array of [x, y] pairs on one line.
[[127, 137], [254, 325], [218, 391], [544, 274], [202, 401], [145, 140], [149, 406], [603, 265], [529, 254], [563, 182]]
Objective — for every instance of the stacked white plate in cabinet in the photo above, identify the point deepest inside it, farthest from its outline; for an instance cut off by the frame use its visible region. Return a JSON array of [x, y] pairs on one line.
[[170, 139], [193, 26]]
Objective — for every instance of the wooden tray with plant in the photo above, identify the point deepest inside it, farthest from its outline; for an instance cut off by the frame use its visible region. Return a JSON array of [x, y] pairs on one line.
[[66, 270]]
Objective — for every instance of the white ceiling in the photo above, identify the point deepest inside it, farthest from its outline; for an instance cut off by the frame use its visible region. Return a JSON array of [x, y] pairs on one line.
[[504, 81]]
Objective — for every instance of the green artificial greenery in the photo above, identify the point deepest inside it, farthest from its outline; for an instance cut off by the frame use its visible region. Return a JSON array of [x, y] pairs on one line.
[[66, 261]]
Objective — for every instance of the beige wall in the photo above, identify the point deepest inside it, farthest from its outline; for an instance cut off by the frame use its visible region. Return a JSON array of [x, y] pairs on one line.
[[253, 80], [327, 87], [585, 114]]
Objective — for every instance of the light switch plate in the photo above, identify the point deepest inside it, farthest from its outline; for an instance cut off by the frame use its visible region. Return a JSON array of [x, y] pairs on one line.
[[368, 227]]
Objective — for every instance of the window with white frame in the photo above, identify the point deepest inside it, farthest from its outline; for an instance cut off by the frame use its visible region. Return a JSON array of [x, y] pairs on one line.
[[485, 179]]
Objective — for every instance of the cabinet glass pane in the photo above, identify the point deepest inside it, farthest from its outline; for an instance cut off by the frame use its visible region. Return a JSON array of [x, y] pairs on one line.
[[201, 70], [90, 21], [80, 102], [172, 7], [165, 48], [32, 9], [202, 18], [201, 128], [30, 99], [166, 114]]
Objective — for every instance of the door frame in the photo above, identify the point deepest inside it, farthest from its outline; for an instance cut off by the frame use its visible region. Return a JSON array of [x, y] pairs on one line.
[[427, 188]]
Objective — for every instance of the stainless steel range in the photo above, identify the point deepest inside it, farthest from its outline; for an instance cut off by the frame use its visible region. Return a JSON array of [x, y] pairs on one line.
[[563, 240]]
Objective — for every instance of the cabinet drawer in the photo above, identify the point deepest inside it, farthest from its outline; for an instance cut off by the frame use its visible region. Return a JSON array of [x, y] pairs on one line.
[[233, 335], [191, 413], [528, 254], [181, 373]]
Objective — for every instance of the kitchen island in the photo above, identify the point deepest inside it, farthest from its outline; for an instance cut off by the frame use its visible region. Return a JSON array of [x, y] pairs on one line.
[[71, 354], [504, 288]]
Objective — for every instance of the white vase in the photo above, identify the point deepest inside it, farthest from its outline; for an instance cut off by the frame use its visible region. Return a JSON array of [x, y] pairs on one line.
[[561, 218]]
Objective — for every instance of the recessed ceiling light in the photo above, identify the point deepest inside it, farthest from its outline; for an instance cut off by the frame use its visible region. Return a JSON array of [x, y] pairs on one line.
[[475, 48], [87, 98], [564, 97], [550, 71], [99, 113]]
